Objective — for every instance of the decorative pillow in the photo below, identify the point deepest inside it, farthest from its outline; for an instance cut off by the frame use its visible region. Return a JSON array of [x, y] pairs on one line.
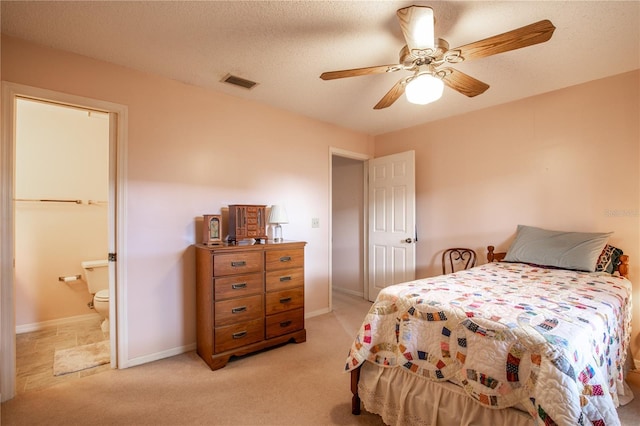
[[566, 250], [609, 259]]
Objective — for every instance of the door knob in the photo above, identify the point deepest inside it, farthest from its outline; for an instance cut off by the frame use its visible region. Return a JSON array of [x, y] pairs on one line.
[[408, 240]]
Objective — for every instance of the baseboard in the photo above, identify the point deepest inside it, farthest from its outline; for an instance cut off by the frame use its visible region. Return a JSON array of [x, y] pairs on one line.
[[323, 311], [36, 326], [350, 292], [159, 355], [633, 377]]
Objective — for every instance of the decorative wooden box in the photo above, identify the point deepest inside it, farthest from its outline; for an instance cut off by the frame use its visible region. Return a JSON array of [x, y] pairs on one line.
[[247, 221]]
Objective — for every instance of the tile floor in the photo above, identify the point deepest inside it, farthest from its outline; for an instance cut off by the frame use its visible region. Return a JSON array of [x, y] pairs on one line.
[[35, 352]]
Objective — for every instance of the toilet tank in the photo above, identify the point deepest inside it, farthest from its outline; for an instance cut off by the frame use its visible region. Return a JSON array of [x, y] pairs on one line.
[[96, 273]]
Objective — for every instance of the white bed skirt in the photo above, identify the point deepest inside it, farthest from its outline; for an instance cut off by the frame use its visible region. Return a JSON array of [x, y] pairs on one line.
[[401, 398]]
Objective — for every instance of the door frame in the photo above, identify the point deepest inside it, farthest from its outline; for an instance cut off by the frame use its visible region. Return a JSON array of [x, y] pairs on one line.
[[338, 152], [117, 217]]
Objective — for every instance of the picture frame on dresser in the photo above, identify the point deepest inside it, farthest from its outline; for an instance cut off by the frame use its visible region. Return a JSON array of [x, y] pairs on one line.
[[212, 229]]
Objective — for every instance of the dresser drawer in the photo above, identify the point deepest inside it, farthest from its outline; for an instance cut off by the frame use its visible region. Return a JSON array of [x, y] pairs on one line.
[[284, 259], [285, 278], [285, 300], [237, 286], [285, 322], [237, 335], [238, 310], [237, 263]]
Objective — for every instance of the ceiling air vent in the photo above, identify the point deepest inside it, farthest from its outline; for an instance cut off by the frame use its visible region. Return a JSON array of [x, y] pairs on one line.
[[237, 81]]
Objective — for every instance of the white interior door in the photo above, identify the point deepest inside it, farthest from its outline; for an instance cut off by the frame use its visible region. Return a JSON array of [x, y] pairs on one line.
[[392, 221]]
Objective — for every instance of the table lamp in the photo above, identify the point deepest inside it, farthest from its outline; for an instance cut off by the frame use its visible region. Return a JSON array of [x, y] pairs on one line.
[[278, 216]]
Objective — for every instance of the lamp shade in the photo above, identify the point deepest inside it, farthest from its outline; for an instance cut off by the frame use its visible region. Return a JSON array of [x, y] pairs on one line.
[[424, 89], [278, 214]]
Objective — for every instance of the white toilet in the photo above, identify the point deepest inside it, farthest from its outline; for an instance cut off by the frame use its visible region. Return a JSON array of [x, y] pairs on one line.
[[96, 273]]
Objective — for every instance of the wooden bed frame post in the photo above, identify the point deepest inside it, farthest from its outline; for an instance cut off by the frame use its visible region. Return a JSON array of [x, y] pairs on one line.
[[494, 257], [623, 267], [355, 400]]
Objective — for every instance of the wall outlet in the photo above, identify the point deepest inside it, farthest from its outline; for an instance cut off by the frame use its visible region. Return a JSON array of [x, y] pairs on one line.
[[315, 222]]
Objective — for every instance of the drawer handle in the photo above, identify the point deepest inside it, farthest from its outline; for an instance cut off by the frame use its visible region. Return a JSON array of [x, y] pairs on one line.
[[285, 258], [238, 263], [239, 334], [287, 278], [238, 310], [285, 324], [238, 286], [285, 300]]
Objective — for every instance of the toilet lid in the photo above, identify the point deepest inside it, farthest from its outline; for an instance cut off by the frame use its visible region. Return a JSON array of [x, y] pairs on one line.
[[102, 295]]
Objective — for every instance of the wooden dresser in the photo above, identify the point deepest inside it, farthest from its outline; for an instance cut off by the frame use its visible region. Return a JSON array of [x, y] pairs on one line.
[[248, 297]]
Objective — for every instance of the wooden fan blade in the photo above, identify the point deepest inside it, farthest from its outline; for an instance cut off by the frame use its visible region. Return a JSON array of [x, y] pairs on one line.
[[392, 95], [529, 35], [463, 83], [356, 72], [417, 26]]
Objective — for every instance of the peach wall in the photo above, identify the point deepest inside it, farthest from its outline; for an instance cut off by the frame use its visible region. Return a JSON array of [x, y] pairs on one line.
[[193, 151], [565, 160]]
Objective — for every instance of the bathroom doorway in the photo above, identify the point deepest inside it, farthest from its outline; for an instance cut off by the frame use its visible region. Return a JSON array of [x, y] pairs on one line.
[[15, 318], [61, 192]]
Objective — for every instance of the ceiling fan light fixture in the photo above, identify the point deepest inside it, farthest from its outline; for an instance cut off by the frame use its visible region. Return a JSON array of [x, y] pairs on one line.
[[423, 54], [425, 37], [424, 89]]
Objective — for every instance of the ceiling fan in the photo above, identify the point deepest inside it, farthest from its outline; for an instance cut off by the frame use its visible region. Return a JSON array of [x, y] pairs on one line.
[[428, 58]]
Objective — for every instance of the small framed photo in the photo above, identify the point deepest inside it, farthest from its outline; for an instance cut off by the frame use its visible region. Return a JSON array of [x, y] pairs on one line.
[[211, 229]]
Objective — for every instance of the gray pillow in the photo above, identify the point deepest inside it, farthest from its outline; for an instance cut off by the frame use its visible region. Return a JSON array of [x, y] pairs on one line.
[[566, 250]]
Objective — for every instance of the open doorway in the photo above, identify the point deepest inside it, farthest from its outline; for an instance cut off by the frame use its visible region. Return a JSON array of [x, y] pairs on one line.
[[61, 207], [116, 117], [348, 225]]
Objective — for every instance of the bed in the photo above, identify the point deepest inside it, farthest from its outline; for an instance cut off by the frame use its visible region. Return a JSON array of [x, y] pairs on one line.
[[512, 341]]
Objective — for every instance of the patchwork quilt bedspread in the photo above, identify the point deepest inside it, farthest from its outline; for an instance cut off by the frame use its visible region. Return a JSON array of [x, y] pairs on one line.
[[551, 340]]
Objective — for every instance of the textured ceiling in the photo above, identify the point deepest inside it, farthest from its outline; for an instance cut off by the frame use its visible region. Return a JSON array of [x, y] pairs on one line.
[[285, 46]]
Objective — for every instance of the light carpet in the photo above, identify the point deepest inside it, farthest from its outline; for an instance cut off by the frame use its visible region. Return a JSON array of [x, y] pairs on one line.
[[80, 358]]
